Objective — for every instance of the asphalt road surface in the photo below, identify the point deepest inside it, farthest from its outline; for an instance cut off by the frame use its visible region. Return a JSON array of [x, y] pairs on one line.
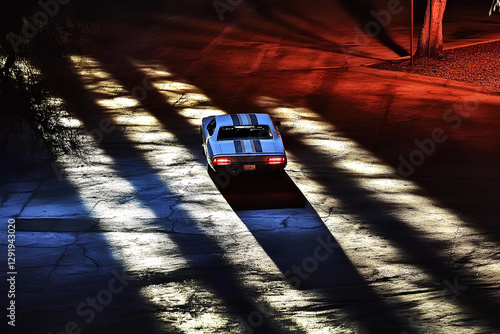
[[385, 221]]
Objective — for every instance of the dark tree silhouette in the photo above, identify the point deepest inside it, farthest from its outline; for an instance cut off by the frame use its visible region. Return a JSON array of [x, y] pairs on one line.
[[362, 11], [32, 129]]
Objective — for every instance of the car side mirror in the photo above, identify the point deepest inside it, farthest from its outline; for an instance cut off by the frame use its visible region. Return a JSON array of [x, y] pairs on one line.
[[277, 123]]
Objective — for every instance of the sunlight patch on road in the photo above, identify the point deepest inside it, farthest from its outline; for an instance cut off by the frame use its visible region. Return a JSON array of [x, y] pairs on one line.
[[118, 102], [159, 255], [190, 193], [193, 105], [364, 167], [137, 118], [71, 122], [175, 301], [180, 98], [112, 200], [369, 171], [188, 100], [380, 182]]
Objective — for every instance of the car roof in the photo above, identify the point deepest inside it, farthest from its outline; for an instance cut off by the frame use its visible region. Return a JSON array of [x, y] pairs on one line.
[[244, 119]]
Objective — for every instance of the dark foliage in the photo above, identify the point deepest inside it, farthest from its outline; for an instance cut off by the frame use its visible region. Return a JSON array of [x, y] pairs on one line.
[[35, 36]]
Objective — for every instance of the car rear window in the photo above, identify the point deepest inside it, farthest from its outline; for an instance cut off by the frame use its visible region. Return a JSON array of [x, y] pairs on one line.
[[244, 132]]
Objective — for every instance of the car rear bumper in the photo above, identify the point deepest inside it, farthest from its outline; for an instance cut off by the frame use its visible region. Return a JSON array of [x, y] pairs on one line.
[[239, 168], [240, 164]]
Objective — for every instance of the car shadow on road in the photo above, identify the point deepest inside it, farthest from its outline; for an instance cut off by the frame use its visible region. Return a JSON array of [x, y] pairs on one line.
[[258, 191], [293, 235]]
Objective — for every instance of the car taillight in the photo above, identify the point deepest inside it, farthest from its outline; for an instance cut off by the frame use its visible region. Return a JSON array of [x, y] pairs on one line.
[[275, 160], [222, 161]]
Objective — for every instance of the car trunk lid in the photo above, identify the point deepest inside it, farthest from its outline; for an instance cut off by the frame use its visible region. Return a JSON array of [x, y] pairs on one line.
[[255, 146]]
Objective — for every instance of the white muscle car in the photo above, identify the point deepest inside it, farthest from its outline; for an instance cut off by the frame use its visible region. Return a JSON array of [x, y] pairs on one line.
[[242, 143]]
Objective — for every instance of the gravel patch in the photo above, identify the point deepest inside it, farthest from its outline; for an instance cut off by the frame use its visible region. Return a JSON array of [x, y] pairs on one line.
[[478, 64]]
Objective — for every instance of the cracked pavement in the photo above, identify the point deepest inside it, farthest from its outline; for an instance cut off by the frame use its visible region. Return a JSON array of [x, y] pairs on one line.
[[340, 244]]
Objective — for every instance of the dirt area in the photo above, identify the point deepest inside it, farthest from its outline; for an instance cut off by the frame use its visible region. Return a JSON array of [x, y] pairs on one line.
[[459, 64]]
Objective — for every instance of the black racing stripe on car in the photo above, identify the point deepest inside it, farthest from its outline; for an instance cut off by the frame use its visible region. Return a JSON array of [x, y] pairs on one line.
[[238, 146], [253, 119], [257, 145], [236, 120]]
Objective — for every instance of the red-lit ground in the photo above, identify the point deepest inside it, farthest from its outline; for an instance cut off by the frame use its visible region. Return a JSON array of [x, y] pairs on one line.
[[475, 64], [351, 240]]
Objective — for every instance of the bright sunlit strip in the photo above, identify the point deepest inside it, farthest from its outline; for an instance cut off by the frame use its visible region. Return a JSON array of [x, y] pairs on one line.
[[193, 191], [159, 254], [385, 186], [316, 132], [71, 122], [111, 199], [187, 99], [122, 102], [172, 297], [370, 173], [138, 118], [383, 181], [288, 299]]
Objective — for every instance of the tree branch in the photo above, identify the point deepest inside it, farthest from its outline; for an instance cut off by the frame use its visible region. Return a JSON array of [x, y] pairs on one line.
[[494, 6]]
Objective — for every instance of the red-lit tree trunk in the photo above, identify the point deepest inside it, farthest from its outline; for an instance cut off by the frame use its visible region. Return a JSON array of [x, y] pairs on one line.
[[430, 42]]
